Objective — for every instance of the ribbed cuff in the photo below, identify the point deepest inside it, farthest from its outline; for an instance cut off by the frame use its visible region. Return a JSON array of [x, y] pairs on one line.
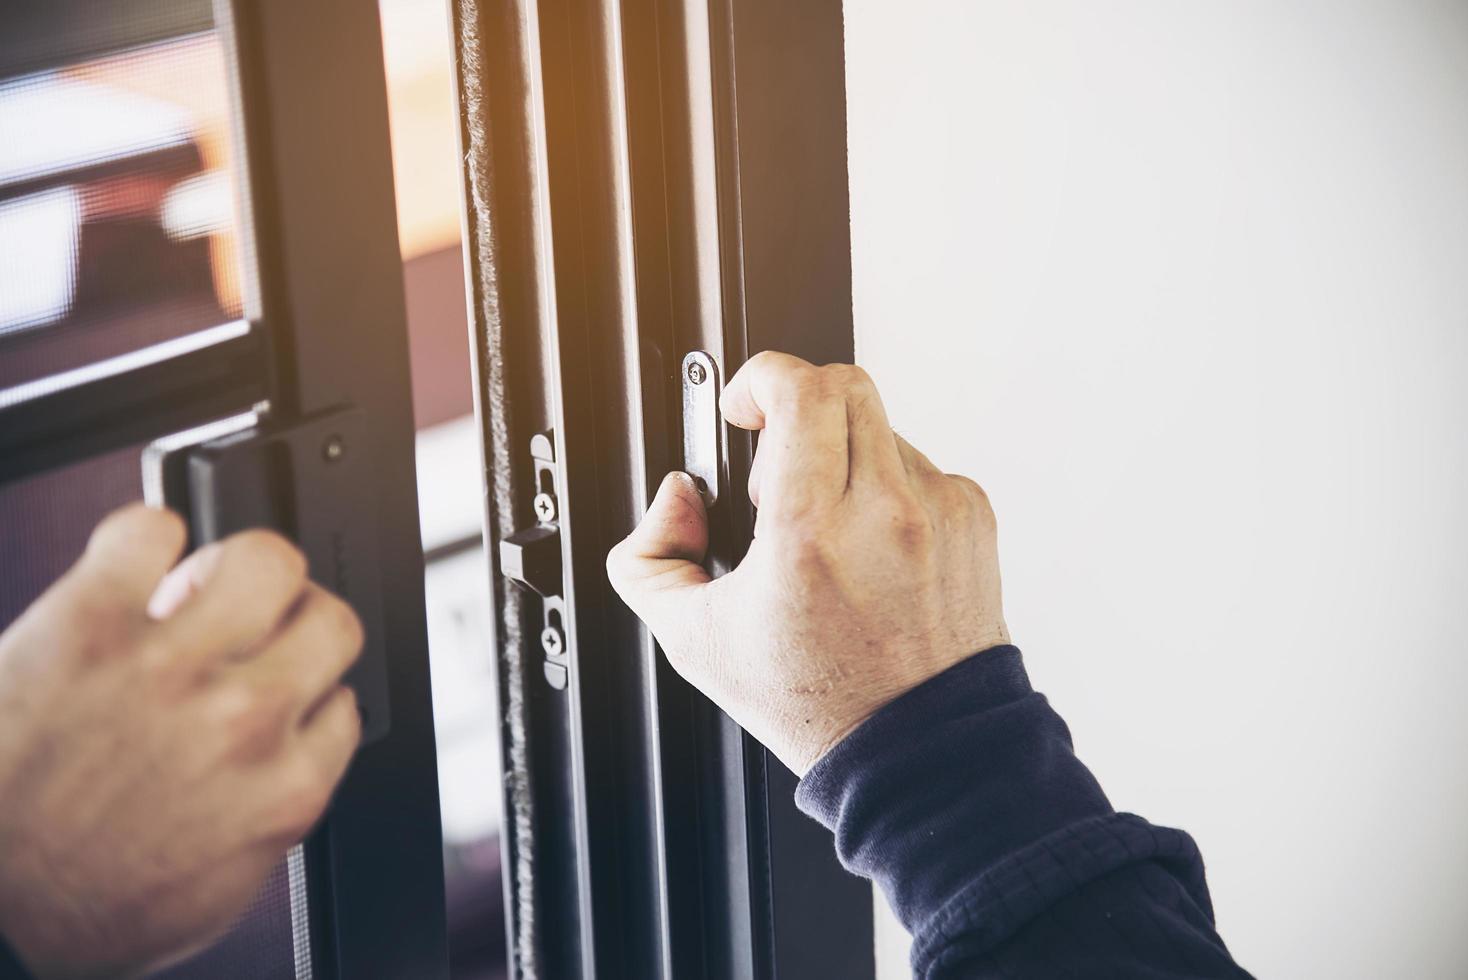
[[11, 968], [948, 780], [990, 909]]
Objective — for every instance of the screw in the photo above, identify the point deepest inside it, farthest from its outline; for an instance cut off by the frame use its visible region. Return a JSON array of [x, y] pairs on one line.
[[696, 373], [550, 641], [545, 507], [333, 448]]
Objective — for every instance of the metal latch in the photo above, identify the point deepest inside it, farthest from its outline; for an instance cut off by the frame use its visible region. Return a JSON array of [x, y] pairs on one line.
[[702, 428], [532, 559]]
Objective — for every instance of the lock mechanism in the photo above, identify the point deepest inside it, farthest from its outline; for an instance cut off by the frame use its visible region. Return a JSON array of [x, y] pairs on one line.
[[532, 559]]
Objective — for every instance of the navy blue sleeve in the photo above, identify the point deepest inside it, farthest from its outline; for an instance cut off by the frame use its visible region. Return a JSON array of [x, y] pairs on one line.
[[10, 965], [995, 846]]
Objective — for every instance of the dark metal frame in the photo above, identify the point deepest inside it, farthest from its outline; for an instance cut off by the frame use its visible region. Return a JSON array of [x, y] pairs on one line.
[[325, 300], [646, 178], [127, 400], [40, 35]]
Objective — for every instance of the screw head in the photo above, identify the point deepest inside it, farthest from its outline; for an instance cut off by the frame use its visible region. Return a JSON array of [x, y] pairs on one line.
[[333, 449], [551, 642], [545, 507], [696, 373]]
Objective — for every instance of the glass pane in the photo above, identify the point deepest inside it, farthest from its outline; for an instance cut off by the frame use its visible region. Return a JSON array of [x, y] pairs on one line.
[[118, 225]]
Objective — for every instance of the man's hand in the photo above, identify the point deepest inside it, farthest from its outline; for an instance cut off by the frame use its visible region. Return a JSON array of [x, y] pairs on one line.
[[163, 741], [870, 571]]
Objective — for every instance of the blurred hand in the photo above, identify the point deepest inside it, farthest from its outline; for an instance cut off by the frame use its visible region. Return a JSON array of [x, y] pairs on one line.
[[870, 570], [164, 738]]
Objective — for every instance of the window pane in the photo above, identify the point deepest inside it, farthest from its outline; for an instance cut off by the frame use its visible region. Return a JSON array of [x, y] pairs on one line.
[[118, 224]]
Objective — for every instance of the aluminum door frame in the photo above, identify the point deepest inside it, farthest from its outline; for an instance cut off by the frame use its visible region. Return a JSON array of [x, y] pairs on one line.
[[322, 222], [644, 178]]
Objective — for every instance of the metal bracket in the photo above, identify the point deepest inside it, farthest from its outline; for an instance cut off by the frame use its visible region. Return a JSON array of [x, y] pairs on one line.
[[532, 559], [702, 427]]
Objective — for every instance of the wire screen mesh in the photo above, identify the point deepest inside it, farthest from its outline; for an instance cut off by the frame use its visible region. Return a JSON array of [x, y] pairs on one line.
[[118, 223]]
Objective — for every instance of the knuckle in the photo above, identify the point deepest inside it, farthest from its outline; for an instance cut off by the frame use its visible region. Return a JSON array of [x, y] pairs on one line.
[[140, 521], [911, 527], [776, 364], [164, 522], [124, 534], [764, 358], [805, 385], [963, 487], [95, 648], [118, 520], [157, 654], [301, 795], [252, 717], [343, 622], [156, 650], [810, 552], [80, 619], [351, 709], [350, 714], [851, 377], [271, 553], [975, 498]]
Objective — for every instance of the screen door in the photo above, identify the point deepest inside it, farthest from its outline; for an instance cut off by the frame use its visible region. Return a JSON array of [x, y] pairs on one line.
[[199, 274]]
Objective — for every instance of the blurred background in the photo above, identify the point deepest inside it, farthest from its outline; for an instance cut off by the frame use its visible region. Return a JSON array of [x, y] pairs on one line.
[[1185, 286]]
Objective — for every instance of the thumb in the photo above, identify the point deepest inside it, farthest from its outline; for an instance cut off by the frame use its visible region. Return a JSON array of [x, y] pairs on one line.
[[660, 558]]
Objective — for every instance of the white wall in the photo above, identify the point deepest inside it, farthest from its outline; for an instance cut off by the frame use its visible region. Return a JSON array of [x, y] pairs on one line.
[[1185, 286]]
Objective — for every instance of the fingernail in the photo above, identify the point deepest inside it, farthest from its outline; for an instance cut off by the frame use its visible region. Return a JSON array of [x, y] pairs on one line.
[[186, 578], [674, 482], [170, 593], [202, 564]]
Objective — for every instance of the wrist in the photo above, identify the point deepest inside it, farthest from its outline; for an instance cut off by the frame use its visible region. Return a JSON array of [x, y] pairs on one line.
[[943, 782], [860, 703]]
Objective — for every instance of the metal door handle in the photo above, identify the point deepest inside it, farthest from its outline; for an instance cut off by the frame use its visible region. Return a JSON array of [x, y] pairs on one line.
[[312, 482]]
